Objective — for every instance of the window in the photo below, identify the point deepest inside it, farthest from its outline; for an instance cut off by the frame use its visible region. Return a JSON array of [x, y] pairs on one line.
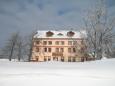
[[49, 33], [82, 50], [44, 42], [74, 59], [57, 49], [61, 50], [70, 33], [50, 42], [62, 59], [69, 50], [45, 49], [74, 50], [37, 58], [69, 42], [69, 59], [57, 42], [37, 49], [49, 49], [37, 42], [45, 58], [82, 42], [49, 58], [55, 58], [62, 42], [75, 43], [60, 34]]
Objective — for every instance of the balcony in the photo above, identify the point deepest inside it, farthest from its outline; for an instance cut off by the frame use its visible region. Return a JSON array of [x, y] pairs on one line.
[[57, 54]]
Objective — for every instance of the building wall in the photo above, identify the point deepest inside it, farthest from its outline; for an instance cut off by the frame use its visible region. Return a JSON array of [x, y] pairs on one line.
[[38, 53]]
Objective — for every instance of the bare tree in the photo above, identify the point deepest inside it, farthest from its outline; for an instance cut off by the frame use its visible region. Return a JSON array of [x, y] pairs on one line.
[[9, 49], [19, 48], [80, 46], [29, 45], [99, 28]]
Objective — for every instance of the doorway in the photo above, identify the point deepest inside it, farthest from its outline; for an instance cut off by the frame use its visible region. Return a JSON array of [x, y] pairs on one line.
[[55, 58]]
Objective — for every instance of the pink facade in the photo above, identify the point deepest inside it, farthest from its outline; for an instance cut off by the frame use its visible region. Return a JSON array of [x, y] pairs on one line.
[[63, 46]]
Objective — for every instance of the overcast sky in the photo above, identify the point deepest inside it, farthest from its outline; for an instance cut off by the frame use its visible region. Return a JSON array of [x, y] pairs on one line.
[[27, 15]]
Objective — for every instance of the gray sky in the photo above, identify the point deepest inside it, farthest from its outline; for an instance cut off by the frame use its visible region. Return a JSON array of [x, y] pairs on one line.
[[27, 15]]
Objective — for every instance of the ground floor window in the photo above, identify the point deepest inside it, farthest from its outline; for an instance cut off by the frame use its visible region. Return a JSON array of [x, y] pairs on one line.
[[62, 59], [47, 58], [82, 59], [37, 58], [74, 59], [69, 59]]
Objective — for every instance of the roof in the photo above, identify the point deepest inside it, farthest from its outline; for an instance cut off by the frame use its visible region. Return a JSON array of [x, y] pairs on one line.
[[59, 34]]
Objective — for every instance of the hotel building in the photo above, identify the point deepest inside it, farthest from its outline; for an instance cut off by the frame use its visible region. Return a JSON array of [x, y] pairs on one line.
[[61, 45]]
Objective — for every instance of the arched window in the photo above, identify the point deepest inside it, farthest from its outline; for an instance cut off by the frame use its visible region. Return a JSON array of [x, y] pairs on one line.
[[49, 33], [70, 33]]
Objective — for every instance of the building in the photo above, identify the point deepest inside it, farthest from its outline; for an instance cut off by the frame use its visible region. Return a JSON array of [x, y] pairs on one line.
[[64, 45]]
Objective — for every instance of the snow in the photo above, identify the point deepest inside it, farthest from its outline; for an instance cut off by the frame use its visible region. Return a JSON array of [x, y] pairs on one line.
[[95, 73], [42, 34]]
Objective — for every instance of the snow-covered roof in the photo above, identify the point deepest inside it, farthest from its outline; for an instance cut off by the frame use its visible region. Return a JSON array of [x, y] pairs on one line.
[[60, 34]]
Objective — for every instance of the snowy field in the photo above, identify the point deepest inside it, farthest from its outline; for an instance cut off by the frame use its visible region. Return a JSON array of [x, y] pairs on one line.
[[95, 73]]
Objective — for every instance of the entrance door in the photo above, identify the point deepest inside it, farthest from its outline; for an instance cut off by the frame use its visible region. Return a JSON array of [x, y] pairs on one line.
[[62, 59], [55, 58], [49, 58]]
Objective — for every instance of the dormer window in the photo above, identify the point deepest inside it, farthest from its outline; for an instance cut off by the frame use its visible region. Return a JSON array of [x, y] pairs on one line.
[[60, 34], [70, 33], [49, 33]]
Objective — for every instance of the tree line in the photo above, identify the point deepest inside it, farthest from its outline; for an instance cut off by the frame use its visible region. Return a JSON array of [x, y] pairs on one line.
[[18, 47]]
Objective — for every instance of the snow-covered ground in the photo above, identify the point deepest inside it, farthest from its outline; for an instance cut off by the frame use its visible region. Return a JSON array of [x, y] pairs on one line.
[[95, 73]]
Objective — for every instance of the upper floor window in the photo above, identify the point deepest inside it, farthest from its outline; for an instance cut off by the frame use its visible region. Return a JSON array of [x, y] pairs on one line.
[[62, 42], [74, 42], [69, 50], [49, 49], [45, 49], [74, 50], [50, 42], [70, 33], [82, 42], [61, 49], [57, 42], [49, 33], [60, 34], [37, 49], [57, 50], [44, 42], [82, 50], [69, 42], [37, 42]]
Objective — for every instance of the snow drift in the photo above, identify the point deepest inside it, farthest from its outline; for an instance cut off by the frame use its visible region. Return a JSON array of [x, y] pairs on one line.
[[95, 73]]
